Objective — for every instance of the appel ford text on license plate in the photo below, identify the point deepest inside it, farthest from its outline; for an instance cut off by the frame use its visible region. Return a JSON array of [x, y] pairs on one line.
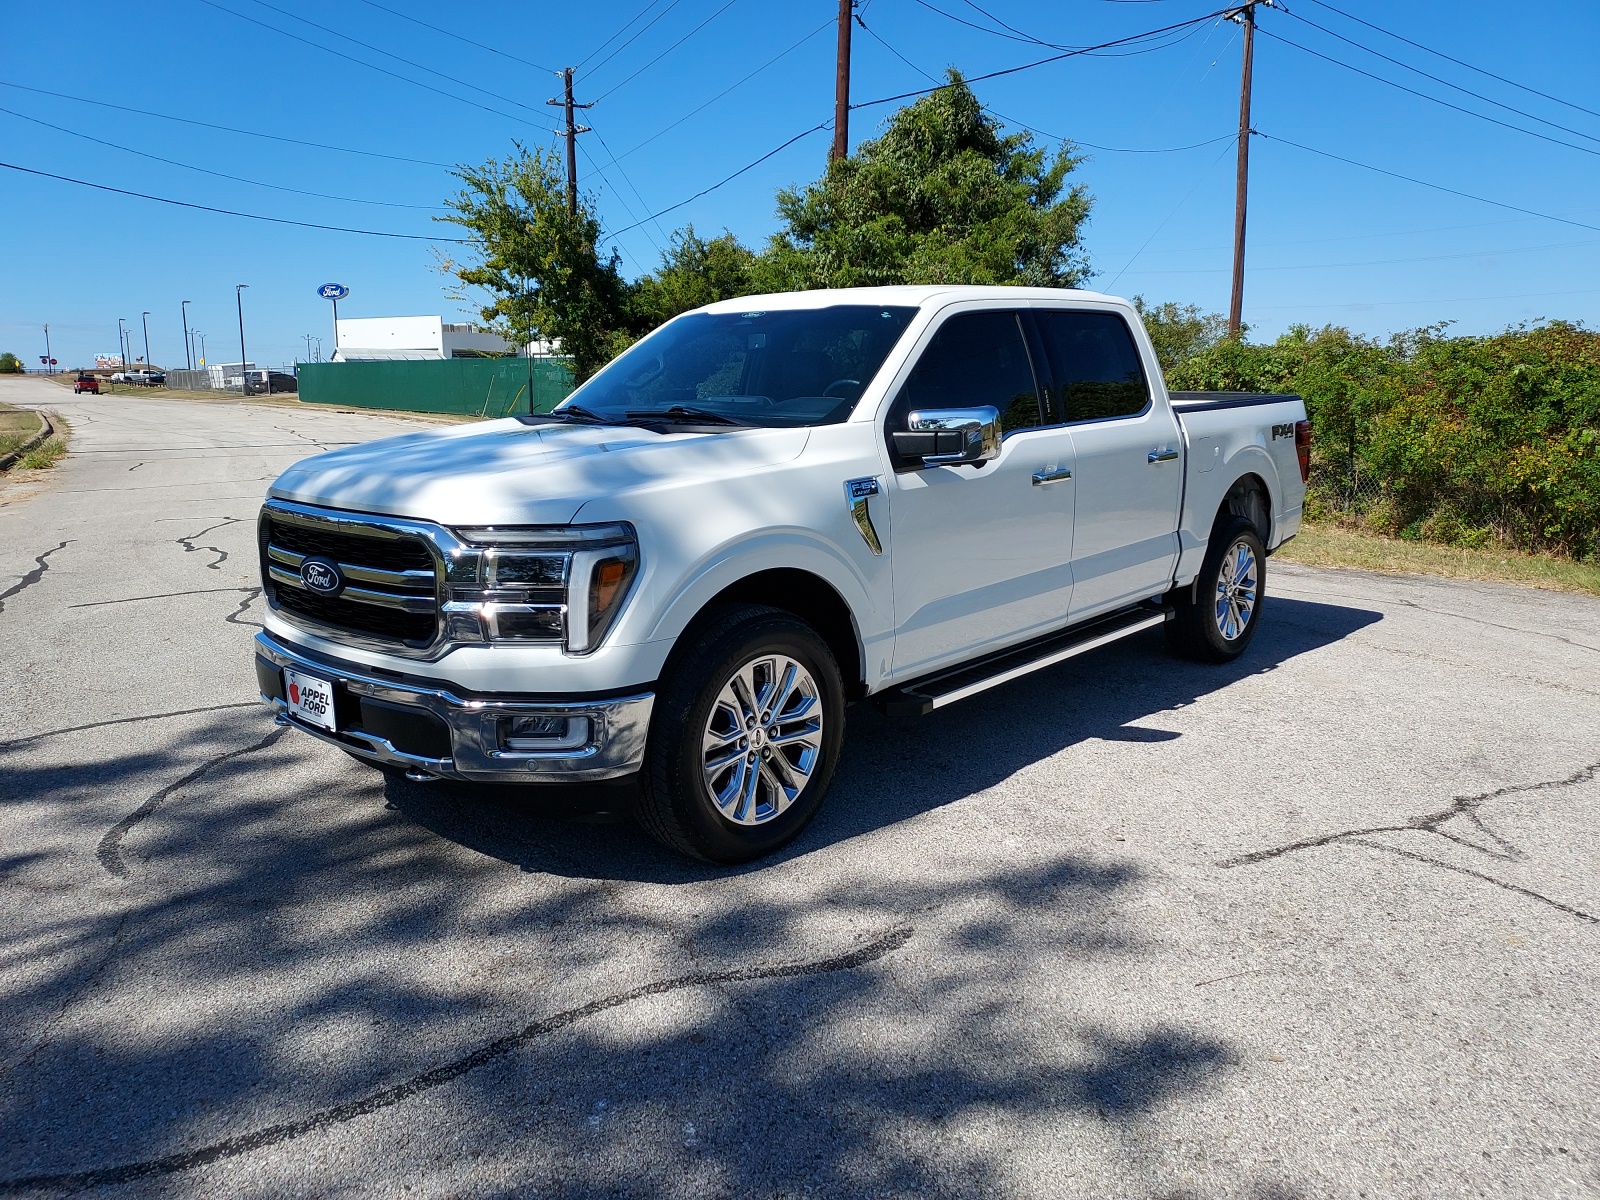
[[310, 699]]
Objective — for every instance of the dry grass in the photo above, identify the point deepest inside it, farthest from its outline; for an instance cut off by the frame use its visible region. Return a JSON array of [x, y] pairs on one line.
[[1332, 546], [17, 425]]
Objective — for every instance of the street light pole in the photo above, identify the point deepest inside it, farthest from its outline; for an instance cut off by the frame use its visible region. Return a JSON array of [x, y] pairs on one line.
[[188, 356], [244, 378], [49, 362], [145, 318], [122, 345], [202, 338]]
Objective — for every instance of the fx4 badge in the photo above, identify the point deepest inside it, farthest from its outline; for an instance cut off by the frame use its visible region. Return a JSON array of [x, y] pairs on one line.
[[856, 492], [1282, 431]]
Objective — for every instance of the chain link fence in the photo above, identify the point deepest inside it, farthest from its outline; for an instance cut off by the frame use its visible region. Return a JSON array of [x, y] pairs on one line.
[[1346, 487]]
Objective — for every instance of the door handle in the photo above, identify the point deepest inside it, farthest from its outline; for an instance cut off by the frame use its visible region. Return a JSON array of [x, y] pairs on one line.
[[1159, 456], [1040, 478]]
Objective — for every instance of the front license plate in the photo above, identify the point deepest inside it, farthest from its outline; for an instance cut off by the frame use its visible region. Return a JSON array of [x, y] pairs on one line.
[[310, 699]]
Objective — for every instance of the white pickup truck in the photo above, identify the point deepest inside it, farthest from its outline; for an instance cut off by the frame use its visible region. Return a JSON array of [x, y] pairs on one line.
[[764, 511]]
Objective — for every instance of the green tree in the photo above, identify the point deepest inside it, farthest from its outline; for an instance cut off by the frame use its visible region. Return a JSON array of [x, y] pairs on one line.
[[1180, 331], [10, 364], [941, 197], [539, 264], [694, 272]]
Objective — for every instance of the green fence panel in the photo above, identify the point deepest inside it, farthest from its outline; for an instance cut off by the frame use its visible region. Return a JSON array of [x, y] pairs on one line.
[[477, 387]]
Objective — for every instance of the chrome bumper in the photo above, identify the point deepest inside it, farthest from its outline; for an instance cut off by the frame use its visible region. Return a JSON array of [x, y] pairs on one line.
[[618, 727]]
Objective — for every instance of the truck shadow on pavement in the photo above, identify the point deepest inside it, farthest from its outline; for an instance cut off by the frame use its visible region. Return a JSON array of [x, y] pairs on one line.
[[892, 769]]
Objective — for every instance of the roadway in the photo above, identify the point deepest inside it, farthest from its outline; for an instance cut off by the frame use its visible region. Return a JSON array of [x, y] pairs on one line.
[[1319, 923]]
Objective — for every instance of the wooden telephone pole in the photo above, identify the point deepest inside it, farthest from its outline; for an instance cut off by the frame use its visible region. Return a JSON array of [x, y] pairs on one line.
[[571, 133], [1246, 16], [841, 85]]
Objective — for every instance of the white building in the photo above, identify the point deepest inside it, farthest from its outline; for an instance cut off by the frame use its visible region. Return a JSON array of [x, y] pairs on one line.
[[368, 339]]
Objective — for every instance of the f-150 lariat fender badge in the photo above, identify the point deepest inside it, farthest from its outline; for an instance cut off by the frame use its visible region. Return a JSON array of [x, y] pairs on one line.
[[856, 492]]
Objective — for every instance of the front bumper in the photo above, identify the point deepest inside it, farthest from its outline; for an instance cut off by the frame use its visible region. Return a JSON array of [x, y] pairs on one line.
[[431, 729]]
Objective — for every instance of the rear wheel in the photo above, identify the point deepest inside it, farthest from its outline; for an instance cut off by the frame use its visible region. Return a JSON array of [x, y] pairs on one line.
[[1219, 622], [745, 736]]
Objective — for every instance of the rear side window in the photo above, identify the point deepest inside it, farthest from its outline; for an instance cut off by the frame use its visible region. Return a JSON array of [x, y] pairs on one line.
[[975, 359], [1094, 365]]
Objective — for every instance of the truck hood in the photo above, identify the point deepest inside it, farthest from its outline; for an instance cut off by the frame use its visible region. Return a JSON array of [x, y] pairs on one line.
[[507, 473]]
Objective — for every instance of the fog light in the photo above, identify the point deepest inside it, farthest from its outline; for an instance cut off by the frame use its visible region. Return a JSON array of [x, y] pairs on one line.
[[532, 734]]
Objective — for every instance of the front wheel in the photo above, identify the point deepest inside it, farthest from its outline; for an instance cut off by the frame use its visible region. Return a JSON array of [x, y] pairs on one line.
[[1219, 622], [747, 729]]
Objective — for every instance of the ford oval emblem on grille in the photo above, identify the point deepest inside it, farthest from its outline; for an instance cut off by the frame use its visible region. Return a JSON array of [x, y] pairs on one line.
[[321, 576]]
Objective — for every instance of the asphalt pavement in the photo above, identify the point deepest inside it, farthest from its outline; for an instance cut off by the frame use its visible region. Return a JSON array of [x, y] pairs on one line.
[[1320, 923]]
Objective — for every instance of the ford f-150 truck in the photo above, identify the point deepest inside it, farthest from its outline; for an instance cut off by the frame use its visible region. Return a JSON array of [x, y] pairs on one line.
[[764, 511]]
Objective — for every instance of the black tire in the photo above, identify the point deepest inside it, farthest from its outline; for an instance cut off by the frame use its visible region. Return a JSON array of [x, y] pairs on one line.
[[1198, 632], [677, 805]]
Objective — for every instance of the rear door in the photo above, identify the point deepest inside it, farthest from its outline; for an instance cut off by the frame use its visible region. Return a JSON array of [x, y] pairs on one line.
[[980, 553], [1128, 451]]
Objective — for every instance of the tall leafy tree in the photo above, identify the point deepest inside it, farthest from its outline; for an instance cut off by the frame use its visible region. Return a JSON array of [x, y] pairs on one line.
[[943, 196], [694, 271], [539, 264]]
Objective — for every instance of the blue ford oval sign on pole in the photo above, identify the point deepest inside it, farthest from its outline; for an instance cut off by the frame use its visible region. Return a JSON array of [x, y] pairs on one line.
[[334, 292]]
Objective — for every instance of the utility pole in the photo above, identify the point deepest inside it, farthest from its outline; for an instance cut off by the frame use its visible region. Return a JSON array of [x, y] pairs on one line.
[[841, 85], [145, 319], [571, 133], [1246, 16], [188, 350], [244, 376], [49, 362]]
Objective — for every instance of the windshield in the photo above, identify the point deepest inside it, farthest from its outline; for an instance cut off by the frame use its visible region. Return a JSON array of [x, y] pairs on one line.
[[786, 367]]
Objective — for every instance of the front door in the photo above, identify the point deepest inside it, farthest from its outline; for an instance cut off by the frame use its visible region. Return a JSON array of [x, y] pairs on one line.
[[1129, 466], [981, 554]]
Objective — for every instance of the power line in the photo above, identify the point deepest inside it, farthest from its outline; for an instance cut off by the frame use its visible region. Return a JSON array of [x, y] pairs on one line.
[[1437, 79], [637, 33], [1384, 262], [668, 50], [1138, 37], [1439, 300], [1438, 187], [427, 87], [1543, 137], [1055, 137], [387, 54], [731, 87], [1014, 36], [1459, 62], [527, 62], [626, 25], [229, 212], [1199, 178], [627, 180], [729, 179], [271, 137], [172, 162]]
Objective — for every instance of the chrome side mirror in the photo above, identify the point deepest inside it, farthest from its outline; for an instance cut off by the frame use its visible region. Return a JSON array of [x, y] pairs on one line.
[[949, 436]]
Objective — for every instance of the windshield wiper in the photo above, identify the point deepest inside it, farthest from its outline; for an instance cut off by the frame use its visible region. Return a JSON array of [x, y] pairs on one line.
[[579, 413], [684, 413]]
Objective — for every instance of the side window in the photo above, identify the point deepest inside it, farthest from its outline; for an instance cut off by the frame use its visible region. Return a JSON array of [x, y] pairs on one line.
[[1094, 364], [975, 359]]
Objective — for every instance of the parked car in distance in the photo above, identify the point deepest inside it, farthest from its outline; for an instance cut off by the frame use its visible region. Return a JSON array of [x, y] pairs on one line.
[[768, 509], [85, 382], [145, 377]]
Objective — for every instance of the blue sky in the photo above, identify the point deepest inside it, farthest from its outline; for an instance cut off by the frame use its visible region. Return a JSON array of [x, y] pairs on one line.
[[1329, 242]]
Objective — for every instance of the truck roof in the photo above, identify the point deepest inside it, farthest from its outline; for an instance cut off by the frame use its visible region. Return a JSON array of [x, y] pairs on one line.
[[904, 295]]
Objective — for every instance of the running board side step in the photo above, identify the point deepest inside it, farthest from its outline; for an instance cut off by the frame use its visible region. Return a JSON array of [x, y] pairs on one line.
[[922, 696]]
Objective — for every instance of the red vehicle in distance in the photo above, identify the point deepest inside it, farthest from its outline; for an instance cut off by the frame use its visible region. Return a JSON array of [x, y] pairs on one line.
[[85, 382]]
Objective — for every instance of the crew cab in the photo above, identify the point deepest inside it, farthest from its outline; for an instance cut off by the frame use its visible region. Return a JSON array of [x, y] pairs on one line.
[[766, 510]]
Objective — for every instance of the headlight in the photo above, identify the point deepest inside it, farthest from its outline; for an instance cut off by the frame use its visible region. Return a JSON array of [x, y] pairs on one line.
[[562, 584]]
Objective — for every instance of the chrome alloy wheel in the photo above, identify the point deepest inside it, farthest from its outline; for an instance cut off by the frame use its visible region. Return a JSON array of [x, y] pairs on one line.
[[1237, 582], [763, 739]]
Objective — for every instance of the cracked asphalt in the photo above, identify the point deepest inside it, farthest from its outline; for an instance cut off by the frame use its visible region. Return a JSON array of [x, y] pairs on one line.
[[1321, 923]]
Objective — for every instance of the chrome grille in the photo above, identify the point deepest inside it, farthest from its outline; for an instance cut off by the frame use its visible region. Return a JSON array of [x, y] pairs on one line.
[[391, 581]]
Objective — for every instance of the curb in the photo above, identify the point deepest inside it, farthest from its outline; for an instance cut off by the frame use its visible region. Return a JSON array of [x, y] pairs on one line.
[[33, 443]]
